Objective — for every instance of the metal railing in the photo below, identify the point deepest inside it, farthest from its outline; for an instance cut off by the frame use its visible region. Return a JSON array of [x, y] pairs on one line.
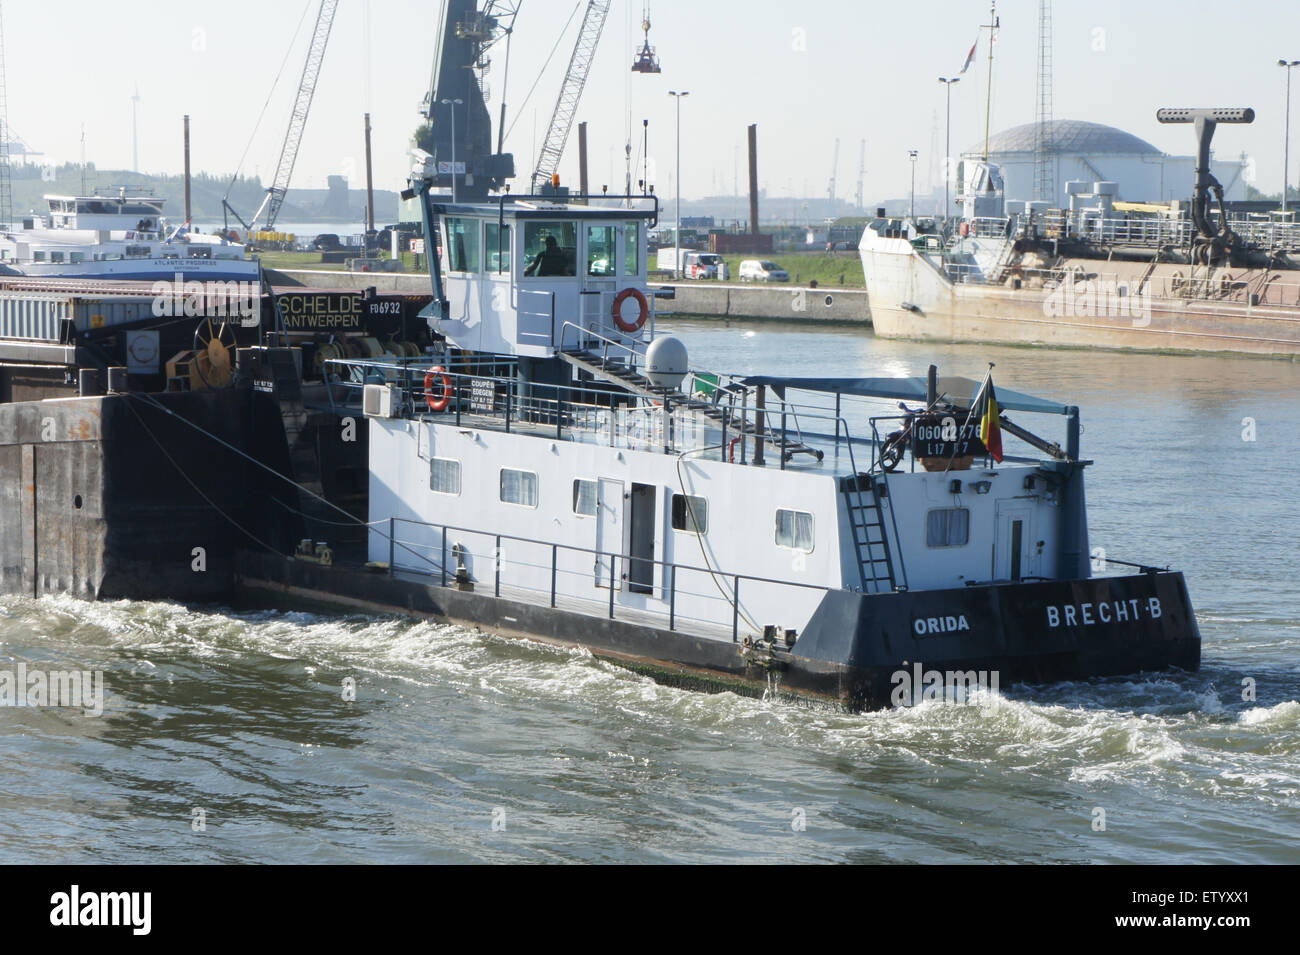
[[615, 582], [491, 396]]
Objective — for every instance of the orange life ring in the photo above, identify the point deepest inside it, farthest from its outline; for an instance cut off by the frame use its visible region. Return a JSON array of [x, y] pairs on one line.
[[617, 310], [437, 374], [964, 228]]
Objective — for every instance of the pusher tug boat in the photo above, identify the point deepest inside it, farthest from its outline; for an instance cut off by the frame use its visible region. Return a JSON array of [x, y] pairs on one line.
[[557, 471]]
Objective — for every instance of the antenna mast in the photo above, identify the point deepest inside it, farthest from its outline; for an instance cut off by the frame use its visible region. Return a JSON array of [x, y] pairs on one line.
[[992, 27]]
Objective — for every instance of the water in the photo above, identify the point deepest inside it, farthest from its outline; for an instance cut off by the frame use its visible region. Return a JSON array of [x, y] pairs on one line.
[[242, 716]]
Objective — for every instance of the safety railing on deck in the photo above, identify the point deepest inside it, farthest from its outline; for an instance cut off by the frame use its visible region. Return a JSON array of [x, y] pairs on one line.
[[717, 414], [450, 560]]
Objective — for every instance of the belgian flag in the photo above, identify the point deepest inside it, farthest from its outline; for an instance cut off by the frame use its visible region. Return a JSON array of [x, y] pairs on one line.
[[990, 429]]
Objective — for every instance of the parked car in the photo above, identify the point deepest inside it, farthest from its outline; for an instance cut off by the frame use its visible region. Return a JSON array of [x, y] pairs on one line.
[[706, 265], [326, 242], [761, 270]]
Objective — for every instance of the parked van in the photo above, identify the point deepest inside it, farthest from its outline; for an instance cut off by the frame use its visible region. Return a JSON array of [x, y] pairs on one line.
[[761, 270], [706, 265]]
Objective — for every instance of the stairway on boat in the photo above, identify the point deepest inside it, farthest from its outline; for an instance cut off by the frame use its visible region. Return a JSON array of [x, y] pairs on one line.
[[619, 372]]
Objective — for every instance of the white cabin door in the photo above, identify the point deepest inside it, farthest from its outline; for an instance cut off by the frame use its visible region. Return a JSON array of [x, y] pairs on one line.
[[609, 532], [1014, 556]]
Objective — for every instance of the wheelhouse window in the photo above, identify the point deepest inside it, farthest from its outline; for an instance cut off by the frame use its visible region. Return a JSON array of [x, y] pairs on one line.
[[444, 475], [462, 244], [947, 527], [631, 248], [690, 513], [519, 487], [496, 247], [601, 249], [794, 529], [550, 249], [584, 498]]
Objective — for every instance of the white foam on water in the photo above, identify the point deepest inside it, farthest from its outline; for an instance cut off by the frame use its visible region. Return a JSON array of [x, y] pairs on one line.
[[1160, 730], [1281, 716]]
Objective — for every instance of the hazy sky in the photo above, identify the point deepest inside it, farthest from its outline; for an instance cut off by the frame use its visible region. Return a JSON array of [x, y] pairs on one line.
[[806, 72]]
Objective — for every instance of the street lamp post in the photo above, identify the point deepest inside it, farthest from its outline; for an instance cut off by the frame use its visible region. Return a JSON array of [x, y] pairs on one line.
[[677, 203], [947, 145], [911, 154], [453, 103], [1286, 137]]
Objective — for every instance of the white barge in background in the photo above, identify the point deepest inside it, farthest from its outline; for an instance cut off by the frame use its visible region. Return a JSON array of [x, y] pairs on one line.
[[556, 470], [1101, 273], [122, 236]]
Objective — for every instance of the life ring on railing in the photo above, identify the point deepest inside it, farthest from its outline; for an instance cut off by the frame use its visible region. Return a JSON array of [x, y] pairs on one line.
[[437, 375], [964, 229], [731, 448], [617, 310]]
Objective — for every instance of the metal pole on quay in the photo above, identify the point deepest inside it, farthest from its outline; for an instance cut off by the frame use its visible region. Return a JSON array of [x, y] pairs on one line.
[[947, 145], [677, 203], [1286, 136]]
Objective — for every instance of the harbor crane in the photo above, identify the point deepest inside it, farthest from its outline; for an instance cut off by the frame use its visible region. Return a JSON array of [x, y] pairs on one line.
[[835, 168], [862, 174], [297, 122], [455, 142], [6, 183], [646, 61], [575, 79]]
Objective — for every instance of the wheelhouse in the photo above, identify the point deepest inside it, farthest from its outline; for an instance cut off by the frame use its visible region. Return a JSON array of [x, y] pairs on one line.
[[514, 273]]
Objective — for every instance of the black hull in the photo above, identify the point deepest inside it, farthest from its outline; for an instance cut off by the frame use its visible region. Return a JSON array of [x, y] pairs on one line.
[[851, 654]]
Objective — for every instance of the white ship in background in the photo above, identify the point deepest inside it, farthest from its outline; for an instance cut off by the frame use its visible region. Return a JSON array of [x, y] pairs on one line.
[[123, 236], [1099, 272]]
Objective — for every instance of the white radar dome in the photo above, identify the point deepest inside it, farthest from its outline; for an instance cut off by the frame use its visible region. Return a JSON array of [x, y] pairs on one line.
[[665, 362]]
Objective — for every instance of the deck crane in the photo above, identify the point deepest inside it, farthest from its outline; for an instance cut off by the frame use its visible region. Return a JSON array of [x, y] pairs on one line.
[[566, 107], [297, 122]]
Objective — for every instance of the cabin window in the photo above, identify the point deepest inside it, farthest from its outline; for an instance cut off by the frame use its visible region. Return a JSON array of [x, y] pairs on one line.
[[584, 498], [462, 244], [519, 487], [496, 247], [56, 256], [38, 256], [794, 529], [550, 249], [690, 513], [444, 475], [631, 248], [947, 527], [601, 249]]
